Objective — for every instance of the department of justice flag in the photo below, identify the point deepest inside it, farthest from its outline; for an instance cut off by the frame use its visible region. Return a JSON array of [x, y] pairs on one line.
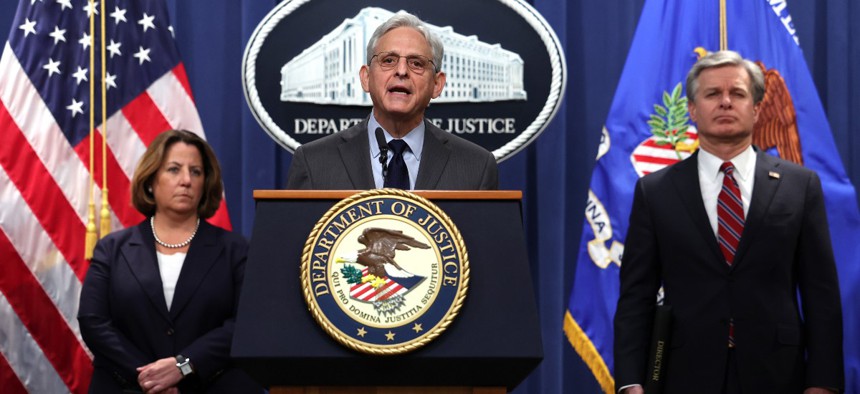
[[648, 129], [44, 166]]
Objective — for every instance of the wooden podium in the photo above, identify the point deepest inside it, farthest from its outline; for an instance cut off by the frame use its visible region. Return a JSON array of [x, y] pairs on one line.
[[492, 345]]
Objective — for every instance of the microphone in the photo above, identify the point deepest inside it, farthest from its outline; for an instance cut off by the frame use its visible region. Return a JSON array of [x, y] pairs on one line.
[[383, 151]]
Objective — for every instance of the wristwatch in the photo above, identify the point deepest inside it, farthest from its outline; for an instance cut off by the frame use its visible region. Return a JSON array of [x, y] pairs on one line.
[[184, 365]]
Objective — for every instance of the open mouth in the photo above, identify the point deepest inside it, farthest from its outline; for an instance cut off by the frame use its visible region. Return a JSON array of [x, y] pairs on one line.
[[399, 89]]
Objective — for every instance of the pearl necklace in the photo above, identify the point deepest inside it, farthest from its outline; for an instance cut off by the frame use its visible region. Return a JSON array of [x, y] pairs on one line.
[[172, 246]]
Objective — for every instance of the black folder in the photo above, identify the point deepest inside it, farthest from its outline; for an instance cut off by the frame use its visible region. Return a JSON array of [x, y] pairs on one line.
[[657, 357]]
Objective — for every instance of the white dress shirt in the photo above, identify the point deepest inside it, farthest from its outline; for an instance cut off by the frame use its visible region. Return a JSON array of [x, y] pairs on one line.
[[169, 266]]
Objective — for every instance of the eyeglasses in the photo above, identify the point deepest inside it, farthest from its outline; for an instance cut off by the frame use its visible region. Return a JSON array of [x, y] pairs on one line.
[[387, 61]]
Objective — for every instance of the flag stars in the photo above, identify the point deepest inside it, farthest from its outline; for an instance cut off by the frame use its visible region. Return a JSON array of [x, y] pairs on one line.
[[85, 41], [110, 81], [77, 107], [80, 75], [28, 27], [146, 22], [113, 48], [142, 55], [91, 8], [58, 35], [118, 15], [53, 67], [64, 4]]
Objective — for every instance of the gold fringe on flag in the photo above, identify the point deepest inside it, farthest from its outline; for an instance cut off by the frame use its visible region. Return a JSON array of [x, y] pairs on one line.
[[92, 237], [589, 354], [105, 211]]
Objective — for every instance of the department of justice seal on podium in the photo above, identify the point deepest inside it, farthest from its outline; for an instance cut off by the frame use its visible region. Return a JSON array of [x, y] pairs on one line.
[[385, 272]]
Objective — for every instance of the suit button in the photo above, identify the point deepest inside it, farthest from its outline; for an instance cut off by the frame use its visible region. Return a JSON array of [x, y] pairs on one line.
[[169, 332]]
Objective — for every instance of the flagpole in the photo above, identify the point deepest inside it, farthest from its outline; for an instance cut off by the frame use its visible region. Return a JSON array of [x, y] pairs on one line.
[[91, 237], [105, 211], [724, 35]]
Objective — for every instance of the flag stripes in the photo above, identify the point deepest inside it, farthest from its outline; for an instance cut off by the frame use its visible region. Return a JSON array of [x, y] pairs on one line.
[[44, 175], [60, 345]]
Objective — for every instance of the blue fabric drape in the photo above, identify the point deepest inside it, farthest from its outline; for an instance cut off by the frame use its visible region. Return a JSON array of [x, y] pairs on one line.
[[553, 173]]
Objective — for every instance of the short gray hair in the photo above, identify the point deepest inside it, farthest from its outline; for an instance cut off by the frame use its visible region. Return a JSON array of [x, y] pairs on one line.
[[721, 59], [405, 19]]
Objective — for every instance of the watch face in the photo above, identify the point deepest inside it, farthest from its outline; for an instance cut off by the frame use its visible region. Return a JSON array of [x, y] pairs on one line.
[[185, 368]]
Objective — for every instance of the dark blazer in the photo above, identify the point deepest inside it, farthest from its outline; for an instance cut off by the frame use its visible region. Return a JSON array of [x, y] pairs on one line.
[[785, 250], [342, 161], [124, 318]]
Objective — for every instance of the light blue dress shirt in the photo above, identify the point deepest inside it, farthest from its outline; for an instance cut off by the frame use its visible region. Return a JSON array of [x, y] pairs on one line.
[[412, 156]]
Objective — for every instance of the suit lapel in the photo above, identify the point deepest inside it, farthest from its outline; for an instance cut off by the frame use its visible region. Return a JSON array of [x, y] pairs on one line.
[[434, 157], [355, 153], [764, 190], [686, 184], [139, 255], [202, 254]]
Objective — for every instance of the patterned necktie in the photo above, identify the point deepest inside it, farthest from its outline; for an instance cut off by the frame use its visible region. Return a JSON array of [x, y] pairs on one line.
[[730, 214], [398, 174]]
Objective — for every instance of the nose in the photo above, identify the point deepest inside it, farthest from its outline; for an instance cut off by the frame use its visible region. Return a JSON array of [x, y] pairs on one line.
[[185, 177], [402, 67], [725, 101]]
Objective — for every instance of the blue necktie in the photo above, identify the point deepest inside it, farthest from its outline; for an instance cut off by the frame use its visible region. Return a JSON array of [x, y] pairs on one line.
[[398, 174]]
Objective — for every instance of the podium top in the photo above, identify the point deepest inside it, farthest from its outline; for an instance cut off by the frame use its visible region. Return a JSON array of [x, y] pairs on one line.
[[428, 194]]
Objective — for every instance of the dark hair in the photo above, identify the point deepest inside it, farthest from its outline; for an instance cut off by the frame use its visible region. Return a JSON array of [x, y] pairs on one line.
[[151, 161]]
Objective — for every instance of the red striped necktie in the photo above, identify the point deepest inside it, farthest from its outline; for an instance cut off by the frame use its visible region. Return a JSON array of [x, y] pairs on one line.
[[730, 214]]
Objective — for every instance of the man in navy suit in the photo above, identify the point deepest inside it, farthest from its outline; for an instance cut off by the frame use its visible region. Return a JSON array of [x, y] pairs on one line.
[[403, 72], [739, 241]]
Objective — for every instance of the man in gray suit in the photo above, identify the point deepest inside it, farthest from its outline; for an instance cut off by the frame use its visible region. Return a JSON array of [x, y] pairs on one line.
[[402, 74]]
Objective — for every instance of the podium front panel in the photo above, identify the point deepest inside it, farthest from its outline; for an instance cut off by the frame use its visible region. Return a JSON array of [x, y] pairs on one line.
[[494, 341]]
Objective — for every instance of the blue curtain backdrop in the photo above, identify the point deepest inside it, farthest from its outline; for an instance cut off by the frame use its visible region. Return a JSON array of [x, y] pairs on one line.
[[553, 173]]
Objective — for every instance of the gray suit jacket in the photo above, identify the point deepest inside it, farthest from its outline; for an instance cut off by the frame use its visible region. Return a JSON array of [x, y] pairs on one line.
[[783, 345], [341, 161]]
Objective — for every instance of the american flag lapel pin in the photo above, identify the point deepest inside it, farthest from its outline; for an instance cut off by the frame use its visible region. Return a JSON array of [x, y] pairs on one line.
[[773, 174]]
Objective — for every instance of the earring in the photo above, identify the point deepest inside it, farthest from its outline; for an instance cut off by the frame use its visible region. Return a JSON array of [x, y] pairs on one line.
[[149, 189]]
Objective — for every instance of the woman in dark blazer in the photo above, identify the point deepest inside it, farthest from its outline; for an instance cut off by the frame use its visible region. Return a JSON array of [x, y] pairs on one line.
[[159, 301]]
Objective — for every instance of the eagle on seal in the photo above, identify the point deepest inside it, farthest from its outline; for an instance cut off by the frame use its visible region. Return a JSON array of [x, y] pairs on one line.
[[378, 254]]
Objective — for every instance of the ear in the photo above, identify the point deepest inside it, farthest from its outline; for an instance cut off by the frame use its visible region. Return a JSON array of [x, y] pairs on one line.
[[438, 83], [364, 75], [691, 108], [756, 111]]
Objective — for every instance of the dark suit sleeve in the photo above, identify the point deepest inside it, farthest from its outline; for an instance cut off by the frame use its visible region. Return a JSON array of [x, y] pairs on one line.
[[298, 176], [210, 353], [94, 316], [490, 177], [640, 281], [819, 290]]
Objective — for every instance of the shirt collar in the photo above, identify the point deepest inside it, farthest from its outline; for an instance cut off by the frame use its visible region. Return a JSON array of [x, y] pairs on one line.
[[414, 138], [709, 165]]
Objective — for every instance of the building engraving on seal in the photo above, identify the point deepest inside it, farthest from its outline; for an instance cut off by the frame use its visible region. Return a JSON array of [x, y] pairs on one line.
[[327, 71]]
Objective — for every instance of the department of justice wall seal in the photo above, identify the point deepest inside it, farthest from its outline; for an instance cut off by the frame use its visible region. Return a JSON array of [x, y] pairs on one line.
[[385, 272]]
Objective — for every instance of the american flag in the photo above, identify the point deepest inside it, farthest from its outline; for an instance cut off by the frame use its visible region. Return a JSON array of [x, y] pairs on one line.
[[44, 167], [390, 287]]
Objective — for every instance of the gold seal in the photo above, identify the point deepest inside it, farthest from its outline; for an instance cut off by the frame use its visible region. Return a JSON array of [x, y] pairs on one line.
[[384, 272]]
